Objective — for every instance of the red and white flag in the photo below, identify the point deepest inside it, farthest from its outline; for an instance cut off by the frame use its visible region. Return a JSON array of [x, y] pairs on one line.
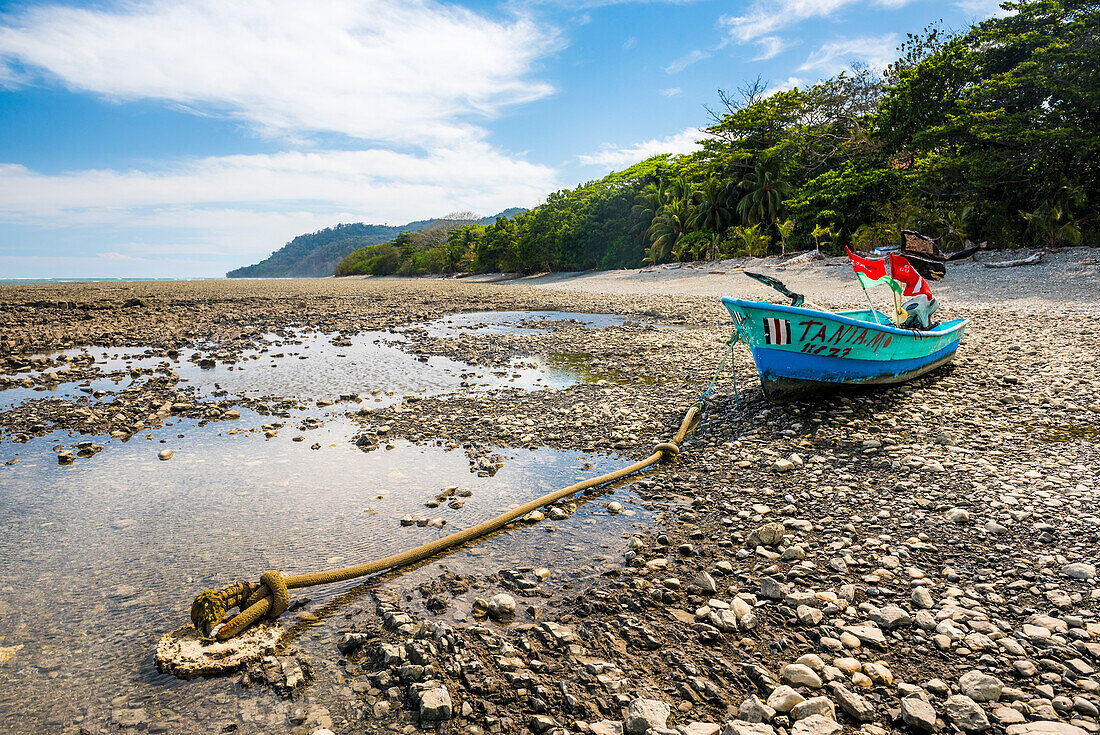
[[777, 332], [911, 282]]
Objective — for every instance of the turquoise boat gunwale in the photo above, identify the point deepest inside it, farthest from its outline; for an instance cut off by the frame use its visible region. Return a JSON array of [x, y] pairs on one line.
[[842, 316], [860, 351]]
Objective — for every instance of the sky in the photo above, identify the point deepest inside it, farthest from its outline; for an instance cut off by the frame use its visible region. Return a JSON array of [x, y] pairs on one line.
[[183, 139]]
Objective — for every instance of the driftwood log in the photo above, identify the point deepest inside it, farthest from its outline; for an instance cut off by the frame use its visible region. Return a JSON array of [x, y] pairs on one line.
[[1029, 260]]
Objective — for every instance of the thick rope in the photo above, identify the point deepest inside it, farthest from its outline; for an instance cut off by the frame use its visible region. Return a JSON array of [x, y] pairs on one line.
[[271, 596]]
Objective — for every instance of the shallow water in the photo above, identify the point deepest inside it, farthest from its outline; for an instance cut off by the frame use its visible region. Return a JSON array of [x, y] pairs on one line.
[[100, 558], [308, 365], [513, 322]]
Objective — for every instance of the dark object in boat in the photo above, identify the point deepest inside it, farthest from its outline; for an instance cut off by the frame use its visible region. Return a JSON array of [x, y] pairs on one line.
[[926, 257]]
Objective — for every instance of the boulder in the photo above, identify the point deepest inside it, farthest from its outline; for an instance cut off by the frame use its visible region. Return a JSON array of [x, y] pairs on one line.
[[816, 725], [800, 675], [966, 714], [981, 687], [1045, 727], [814, 706], [918, 714], [642, 714]]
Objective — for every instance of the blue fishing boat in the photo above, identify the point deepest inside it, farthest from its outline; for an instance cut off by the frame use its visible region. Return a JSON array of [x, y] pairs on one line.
[[798, 349]]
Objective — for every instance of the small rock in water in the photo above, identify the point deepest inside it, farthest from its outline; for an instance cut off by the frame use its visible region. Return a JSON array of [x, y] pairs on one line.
[[435, 702], [502, 606], [165, 454], [614, 508]]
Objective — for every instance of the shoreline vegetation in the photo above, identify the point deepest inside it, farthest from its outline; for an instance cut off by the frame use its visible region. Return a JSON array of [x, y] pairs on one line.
[[989, 134]]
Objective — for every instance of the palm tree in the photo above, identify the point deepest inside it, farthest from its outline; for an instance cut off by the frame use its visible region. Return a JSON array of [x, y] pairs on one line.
[[764, 192], [821, 234], [714, 210], [955, 220], [670, 224], [1053, 219], [755, 240], [646, 204], [785, 229]]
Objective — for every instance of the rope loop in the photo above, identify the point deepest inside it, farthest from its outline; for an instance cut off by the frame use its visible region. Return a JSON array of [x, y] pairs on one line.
[[668, 450], [280, 595]]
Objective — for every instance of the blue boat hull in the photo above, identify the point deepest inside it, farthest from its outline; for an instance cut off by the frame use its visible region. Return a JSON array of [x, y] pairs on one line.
[[799, 350]]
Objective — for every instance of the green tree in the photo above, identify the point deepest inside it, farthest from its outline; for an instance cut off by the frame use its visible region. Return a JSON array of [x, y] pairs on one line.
[[671, 223], [764, 192], [754, 239], [784, 228], [1053, 221], [824, 235], [715, 211], [994, 115]]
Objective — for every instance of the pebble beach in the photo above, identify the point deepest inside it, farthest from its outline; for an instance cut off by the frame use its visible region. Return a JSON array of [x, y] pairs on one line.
[[918, 558]]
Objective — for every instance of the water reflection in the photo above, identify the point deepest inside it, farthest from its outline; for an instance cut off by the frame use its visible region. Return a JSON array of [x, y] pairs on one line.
[[305, 364]]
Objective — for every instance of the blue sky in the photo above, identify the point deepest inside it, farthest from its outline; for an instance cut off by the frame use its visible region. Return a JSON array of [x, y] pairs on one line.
[[187, 138]]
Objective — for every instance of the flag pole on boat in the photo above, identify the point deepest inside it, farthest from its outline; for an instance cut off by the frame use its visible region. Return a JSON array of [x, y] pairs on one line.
[[874, 311]]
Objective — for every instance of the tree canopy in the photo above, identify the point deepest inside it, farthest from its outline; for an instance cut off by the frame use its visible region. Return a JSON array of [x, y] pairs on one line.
[[990, 134]]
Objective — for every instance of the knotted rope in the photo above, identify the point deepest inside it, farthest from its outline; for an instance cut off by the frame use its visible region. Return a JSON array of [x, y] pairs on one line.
[[271, 596]]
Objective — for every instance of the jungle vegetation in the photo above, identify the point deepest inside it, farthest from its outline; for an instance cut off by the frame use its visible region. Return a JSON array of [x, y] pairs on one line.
[[988, 134]]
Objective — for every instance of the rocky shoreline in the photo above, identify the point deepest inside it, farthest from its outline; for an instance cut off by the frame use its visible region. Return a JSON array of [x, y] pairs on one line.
[[917, 559]]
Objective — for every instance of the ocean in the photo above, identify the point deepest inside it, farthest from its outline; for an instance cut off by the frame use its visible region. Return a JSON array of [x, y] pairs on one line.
[[32, 281]]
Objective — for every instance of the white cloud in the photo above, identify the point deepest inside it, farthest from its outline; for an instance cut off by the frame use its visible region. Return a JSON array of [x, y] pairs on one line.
[[685, 61], [404, 71], [378, 184], [771, 46], [835, 56], [599, 3], [409, 82], [685, 141], [630, 42], [765, 18], [669, 91]]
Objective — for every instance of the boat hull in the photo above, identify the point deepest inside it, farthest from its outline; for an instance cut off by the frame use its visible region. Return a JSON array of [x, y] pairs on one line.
[[799, 350]]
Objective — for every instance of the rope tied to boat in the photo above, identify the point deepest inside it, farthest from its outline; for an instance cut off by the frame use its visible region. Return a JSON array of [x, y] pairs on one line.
[[271, 597], [704, 397]]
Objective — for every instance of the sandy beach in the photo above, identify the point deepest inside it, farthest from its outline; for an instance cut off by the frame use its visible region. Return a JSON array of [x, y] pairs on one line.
[[918, 558]]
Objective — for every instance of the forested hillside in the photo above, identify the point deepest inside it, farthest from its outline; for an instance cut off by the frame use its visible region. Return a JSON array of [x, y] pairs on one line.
[[317, 253], [988, 134]]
